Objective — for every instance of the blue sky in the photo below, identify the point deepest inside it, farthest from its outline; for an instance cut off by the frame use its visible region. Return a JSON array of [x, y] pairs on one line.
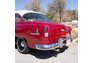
[[70, 4]]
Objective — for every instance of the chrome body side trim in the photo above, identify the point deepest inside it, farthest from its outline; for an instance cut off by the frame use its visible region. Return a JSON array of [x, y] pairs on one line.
[[35, 33]]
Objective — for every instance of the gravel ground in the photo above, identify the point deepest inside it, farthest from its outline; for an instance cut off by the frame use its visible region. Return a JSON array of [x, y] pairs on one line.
[[67, 55]]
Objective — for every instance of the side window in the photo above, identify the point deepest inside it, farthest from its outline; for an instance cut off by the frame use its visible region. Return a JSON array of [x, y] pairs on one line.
[[17, 17]]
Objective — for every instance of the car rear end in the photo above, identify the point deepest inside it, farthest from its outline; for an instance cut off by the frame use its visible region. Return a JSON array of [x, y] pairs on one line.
[[55, 36]]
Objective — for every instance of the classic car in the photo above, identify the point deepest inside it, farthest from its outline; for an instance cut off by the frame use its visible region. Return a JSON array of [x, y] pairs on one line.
[[35, 30]]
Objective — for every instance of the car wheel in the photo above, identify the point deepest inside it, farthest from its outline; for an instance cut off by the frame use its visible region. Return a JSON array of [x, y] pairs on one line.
[[22, 46], [15, 42]]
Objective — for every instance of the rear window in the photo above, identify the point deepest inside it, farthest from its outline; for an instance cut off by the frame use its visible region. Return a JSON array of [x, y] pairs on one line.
[[35, 16]]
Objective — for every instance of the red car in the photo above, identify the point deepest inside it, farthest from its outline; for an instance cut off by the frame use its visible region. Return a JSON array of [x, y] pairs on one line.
[[34, 30]]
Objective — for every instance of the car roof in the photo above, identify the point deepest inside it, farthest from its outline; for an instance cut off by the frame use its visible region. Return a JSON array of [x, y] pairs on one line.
[[22, 12]]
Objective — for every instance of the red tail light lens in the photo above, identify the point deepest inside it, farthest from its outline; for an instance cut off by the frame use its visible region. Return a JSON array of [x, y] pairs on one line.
[[69, 29]]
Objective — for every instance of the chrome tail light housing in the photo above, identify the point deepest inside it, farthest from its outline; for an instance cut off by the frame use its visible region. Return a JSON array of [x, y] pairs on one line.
[[46, 31]]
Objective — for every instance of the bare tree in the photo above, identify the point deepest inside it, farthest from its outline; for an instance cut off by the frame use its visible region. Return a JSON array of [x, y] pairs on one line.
[[35, 6], [75, 15], [57, 7], [60, 7]]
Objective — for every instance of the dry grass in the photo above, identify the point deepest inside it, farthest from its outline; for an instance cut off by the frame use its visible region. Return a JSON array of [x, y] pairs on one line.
[[75, 33]]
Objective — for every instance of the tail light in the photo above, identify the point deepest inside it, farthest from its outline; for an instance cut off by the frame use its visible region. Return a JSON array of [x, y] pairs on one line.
[[46, 31], [69, 29]]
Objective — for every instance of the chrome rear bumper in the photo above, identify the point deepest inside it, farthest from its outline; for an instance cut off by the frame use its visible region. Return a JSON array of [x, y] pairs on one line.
[[59, 44]]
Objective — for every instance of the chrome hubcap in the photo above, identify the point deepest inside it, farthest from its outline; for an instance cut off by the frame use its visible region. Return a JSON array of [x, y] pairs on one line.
[[22, 44]]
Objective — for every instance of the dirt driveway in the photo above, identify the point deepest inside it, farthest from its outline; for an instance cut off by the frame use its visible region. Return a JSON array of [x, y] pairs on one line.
[[67, 55]]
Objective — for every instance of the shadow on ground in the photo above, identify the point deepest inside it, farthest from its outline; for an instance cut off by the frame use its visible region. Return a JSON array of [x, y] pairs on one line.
[[46, 54]]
